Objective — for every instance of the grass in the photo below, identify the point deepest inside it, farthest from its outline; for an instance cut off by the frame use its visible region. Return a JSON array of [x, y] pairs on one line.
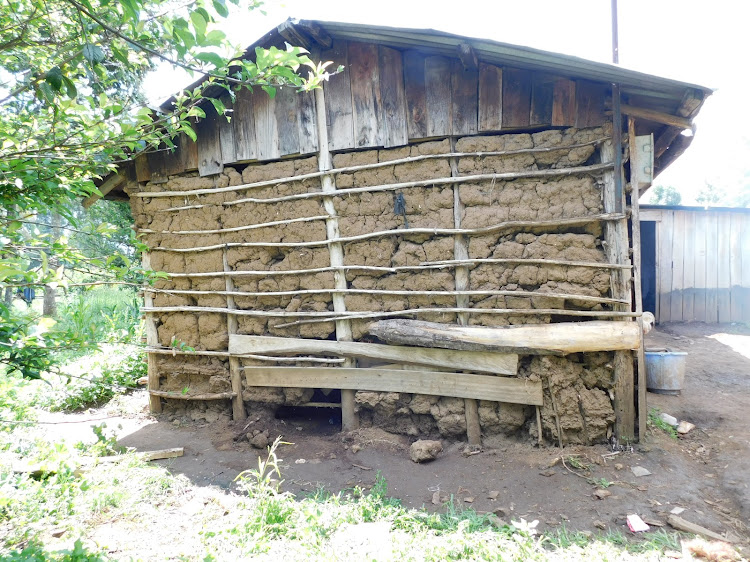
[[654, 421]]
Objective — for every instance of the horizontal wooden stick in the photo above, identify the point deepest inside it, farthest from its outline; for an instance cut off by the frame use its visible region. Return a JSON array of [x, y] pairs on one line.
[[491, 229], [497, 363], [270, 358], [531, 261], [320, 405], [329, 316], [349, 169], [501, 176], [180, 396], [571, 296], [505, 311], [276, 359], [560, 338], [236, 228], [175, 352], [484, 387], [657, 116]]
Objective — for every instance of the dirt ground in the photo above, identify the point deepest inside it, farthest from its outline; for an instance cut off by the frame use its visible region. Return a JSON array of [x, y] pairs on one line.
[[704, 472]]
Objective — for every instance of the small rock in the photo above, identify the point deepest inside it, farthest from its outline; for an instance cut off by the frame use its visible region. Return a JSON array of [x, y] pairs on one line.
[[436, 498], [259, 441], [685, 427], [57, 532], [601, 493], [469, 499], [332, 456], [677, 510], [176, 423], [652, 521], [300, 461], [256, 432], [600, 524], [496, 521], [501, 511], [548, 473], [424, 450], [619, 466], [356, 448], [493, 494], [669, 420], [639, 471]]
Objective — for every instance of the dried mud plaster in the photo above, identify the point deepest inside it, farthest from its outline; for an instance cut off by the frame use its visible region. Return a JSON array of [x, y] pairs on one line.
[[580, 384]]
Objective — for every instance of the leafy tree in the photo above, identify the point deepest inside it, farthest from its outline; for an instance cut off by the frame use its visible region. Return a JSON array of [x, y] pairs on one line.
[[710, 195], [665, 195], [71, 109]]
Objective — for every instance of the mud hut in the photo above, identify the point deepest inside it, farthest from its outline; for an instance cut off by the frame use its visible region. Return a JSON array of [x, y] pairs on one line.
[[439, 180]]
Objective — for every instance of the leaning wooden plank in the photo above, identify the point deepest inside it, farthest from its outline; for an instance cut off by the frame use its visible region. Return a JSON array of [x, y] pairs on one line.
[[684, 525], [486, 362], [545, 339], [458, 385]]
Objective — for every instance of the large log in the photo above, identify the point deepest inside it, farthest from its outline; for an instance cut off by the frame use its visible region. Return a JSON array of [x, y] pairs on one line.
[[540, 339]]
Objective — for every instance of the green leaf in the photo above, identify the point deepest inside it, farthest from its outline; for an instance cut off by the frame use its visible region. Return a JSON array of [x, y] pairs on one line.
[[70, 88], [93, 53], [46, 93], [221, 8], [218, 106], [196, 111], [188, 130], [214, 38], [54, 78], [199, 22], [212, 58], [270, 90]]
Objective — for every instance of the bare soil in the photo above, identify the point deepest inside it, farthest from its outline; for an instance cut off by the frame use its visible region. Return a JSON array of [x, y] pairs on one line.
[[705, 472]]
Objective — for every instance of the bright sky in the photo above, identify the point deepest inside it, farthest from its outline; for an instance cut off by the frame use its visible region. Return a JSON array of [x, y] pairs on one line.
[[695, 41]]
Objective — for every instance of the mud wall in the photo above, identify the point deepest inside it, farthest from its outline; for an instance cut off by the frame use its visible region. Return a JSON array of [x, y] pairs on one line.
[[578, 385]]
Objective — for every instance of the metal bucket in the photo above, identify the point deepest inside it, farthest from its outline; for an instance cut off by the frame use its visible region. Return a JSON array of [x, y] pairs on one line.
[[665, 371]]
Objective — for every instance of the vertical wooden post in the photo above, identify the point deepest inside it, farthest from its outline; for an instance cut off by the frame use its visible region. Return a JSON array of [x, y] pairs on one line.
[[616, 246], [635, 221], [152, 340], [349, 418], [235, 374], [461, 273]]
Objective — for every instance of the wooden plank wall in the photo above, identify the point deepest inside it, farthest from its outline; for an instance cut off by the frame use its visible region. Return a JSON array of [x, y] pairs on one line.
[[385, 97], [702, 265]]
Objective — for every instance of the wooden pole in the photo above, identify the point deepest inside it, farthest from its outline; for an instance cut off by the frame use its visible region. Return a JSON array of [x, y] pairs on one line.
[[461, 276], [635, 221], [152, 340], [349, 417], [616, 245], [235, 374]]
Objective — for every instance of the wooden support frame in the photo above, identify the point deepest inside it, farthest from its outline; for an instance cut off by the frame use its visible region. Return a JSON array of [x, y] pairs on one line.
[[235, 376], [349, 418], [460, 385], [152, 340]]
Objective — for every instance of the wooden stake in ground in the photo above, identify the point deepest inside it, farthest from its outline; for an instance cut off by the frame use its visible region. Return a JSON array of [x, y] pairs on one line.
[[235, 375], [152, 340]]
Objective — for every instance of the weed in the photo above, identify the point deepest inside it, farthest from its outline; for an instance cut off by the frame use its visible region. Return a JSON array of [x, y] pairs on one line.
[[577, 463], [603, 483], [655, 421], [35, 552]]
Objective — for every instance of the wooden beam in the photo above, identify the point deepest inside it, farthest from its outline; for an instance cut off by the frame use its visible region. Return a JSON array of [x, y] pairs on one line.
[[152, 340], [316, 32], [483, 361], [176, 395], [656, 116], [294, 35], [235, 374], [459, 385], [109, 184], [544, 339], [468, 57]]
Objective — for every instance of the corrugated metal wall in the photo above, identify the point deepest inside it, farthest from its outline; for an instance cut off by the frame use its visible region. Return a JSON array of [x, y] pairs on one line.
[[702, 264]]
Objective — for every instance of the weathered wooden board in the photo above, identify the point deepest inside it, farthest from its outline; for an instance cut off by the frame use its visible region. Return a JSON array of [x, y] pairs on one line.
[[542, 98], [459, 385], [266, 130], [700, 232], [564, 103], [243, 124], [590, 98], [414, 89], [688, 269], [552, 339], [394, 130], [307, 123], [735, 266], [487, 362], [142, 171], [188, 153], [678, 264], [490, 97], [365, 85], [286, 112], [712, 268], [724, 280], [465, 98], [173, 159], [745, 282], [438, 96], [338, 99], [209, 145], [157, 164], [516, 98], [226, 135], [664, 243]]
